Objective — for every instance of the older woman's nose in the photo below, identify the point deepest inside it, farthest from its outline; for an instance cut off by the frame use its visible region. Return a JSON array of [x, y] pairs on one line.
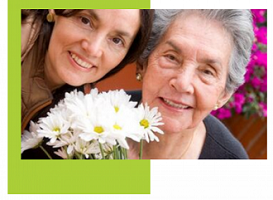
[[94, 47], [183, 81]]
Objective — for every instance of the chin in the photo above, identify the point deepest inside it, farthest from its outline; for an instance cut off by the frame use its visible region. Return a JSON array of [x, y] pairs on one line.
[[173, 128], [74, 84], [73, 81], [173, 125]]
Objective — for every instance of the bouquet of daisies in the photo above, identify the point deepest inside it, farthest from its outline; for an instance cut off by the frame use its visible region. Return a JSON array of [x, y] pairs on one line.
[[94, 126]]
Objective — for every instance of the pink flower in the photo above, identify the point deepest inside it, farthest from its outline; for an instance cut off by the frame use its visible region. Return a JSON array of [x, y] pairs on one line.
[[260, 58], [238, 108], [263, 106], [254, 47], [256, 82], [250, 99], [263, 86], [239, 98], [259, 15], [261, 34], [222, 113]]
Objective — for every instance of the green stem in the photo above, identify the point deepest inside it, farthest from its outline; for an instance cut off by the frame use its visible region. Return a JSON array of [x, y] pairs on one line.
[[120, 152], [141, 148], [125, 153], [101, 150], [92, 156], [114, 151], [117, 153], [45, 152], [77, 155]]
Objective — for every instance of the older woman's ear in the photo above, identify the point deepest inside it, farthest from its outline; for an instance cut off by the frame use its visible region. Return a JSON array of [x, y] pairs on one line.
[[223, 99]]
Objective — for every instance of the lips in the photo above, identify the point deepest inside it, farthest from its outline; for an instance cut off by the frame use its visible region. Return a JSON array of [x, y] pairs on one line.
[[80, 62], [175, 104]]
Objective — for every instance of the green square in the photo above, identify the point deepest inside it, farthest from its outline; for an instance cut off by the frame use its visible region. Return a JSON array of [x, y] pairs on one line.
[[63, 176]]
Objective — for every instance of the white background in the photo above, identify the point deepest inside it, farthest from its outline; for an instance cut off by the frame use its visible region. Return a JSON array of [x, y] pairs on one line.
[[174, 179]]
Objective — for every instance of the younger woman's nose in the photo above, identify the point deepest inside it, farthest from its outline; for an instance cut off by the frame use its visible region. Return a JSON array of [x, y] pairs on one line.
[[93, 47]]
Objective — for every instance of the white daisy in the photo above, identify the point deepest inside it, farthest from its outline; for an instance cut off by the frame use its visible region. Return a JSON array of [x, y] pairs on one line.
[[71, 96], [81, 105], [30, 138], [149, 120], [97, 126], [125, 125], [53, 126], [60, 107], [117, 98], [87, 148], [68, 140], [62, 153]]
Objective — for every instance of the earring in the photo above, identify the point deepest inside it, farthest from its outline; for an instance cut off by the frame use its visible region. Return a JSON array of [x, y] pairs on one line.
[[50, 17], [138, 77], [216, 106]]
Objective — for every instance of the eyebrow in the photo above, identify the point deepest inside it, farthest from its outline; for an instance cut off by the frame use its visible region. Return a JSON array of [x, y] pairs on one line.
[[93, 14], [211, 61], [119, 32], [174, 46], [205, 60]]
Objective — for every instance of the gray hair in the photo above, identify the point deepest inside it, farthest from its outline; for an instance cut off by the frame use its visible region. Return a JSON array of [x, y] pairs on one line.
[[237, 22]]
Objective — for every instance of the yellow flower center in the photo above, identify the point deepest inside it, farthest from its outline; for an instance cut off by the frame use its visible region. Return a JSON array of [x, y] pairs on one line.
[[144, 123], [117, 127], [98, 129], [116, 109], [57, 129]]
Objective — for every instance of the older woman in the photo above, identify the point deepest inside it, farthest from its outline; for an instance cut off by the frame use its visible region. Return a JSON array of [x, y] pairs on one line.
[[194, 61]]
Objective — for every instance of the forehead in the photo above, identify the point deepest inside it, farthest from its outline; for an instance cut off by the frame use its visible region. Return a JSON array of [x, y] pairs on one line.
[[194, 35], [125, 14], [194, 25]]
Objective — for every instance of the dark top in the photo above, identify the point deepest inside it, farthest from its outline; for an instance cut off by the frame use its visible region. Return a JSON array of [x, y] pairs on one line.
[[219, 142]]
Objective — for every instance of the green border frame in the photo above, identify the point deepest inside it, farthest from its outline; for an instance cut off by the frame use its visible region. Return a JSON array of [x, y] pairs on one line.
[[63, 176]]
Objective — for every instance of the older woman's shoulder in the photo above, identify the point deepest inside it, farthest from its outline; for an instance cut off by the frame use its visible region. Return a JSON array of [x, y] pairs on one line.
[[220, 142], [136, 95]]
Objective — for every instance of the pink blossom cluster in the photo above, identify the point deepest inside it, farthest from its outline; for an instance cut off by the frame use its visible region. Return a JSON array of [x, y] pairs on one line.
[[251, 97]]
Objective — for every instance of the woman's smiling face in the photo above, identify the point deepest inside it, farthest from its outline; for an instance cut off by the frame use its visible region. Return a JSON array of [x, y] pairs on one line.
[[186, 73], [86, 46]]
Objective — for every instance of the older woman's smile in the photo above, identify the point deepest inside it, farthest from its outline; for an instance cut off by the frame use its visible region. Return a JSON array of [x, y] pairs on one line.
[[174, 104]]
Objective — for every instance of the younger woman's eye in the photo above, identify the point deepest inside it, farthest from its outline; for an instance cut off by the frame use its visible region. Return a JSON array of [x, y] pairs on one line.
[[117, 41], [85, 20]]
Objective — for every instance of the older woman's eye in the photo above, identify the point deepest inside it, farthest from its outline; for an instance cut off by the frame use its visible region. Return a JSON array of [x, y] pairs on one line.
[[171, 57], [209, 72]]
